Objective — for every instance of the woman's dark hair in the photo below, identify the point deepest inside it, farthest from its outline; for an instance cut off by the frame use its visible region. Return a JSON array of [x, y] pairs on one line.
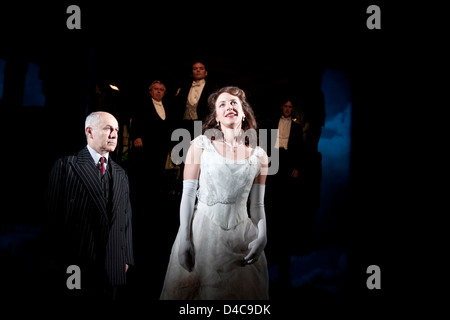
[[210, 120], [249, 121]]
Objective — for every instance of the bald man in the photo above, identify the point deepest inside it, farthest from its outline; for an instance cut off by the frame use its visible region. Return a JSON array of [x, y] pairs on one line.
[[90, 213]]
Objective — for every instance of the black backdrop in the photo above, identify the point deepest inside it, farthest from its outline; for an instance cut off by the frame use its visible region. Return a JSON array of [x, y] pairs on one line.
[[263, 48]]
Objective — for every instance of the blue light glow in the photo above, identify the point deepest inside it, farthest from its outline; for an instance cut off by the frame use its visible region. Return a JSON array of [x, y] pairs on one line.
[[32, 94]]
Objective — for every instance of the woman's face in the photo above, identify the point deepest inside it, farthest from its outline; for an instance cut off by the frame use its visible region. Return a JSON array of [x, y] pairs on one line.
[[229, 110]]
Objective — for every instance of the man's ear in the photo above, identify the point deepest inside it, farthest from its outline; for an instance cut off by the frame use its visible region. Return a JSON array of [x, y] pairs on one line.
[[89, 132]]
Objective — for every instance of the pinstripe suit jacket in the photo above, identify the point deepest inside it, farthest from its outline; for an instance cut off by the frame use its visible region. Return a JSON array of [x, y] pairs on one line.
[[84, 233]]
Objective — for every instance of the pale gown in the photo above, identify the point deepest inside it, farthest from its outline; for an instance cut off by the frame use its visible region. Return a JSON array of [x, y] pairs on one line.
[[221, 232]]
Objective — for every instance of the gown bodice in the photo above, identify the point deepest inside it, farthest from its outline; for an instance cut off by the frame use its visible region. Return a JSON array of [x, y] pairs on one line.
[[225, 184]]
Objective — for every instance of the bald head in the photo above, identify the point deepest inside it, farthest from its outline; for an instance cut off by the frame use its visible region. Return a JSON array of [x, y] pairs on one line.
[[101, 130]]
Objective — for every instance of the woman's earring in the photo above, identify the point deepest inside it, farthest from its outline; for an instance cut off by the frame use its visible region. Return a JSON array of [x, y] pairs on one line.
[[218, 123], [243, 118]]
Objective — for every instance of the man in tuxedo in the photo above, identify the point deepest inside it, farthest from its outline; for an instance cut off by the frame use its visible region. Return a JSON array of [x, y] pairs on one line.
[[289, 145], [193, 97], [284, 199], [150, 132], [90, 215], [151, 129]]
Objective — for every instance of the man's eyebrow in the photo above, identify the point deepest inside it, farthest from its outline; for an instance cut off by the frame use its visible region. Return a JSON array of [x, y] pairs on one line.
[[110, 126]]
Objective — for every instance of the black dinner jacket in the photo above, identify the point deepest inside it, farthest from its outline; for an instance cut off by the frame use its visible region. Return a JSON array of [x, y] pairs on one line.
[[148, 125], [295, 154], [83, 231]]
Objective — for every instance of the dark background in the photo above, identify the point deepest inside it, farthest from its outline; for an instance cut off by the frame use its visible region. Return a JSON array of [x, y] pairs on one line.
[[264, 48]]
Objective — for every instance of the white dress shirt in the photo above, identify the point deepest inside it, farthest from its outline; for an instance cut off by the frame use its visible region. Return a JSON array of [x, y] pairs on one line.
[[159, 109], [196, 91], [284, 129], [192, 100], [96, 156]]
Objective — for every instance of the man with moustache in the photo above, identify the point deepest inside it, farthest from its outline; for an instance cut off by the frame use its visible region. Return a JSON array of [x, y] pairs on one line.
[[90, 215]]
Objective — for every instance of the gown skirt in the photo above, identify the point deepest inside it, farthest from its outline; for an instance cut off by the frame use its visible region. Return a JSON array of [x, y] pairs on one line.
[[219, 271]]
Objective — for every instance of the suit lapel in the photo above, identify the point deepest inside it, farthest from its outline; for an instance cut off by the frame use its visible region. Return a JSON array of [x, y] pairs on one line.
[[116, 175], [88, 173]]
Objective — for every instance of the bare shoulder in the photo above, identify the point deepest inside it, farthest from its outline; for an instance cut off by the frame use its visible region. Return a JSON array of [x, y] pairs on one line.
[[262, 155], [194, 153]]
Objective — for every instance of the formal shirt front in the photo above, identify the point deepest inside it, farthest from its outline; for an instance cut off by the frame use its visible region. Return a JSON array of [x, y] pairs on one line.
[[192, 101], [159, 109], [284, 129], [96, 156]]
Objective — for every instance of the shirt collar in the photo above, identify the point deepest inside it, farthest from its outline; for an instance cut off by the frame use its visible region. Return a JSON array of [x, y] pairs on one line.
[[95, 155], [199, 83], [156, 102]]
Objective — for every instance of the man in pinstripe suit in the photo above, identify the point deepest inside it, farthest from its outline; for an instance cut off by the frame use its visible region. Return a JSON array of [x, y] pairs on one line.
[[90, 213]]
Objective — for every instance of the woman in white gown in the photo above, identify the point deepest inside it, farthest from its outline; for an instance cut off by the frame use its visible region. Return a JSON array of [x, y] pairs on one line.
[[219, 249]]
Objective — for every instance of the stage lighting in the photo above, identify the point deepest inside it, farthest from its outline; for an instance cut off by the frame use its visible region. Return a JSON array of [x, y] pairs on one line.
[[114, 87]]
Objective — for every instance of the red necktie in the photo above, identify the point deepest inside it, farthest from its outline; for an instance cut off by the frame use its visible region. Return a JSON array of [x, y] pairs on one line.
[[102, 165]]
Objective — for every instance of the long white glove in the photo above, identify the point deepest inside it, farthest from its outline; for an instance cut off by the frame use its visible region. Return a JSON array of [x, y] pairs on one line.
[[186, 210], [258, 216]]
